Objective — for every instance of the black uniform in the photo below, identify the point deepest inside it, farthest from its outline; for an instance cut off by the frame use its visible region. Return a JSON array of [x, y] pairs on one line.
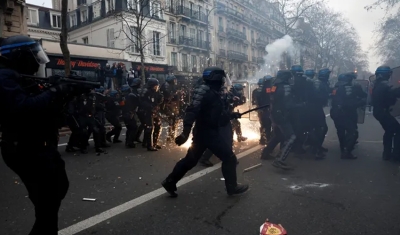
[[260, 97], [150, 104], [208, 113], [171, 107], [318, 118], [78, 137], [383, 96], [236, 123], [346, 98], [113, 112], [129, 113], [304, 95], [282, 103], [29, 148]]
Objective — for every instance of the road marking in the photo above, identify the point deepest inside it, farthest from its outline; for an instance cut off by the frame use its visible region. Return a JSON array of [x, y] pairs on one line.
[[92, 221]]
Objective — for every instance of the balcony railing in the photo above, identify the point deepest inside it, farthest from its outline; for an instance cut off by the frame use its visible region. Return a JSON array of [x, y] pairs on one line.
[[172, 40], [192, 42], [234, 55], [222, 8], [236, 34], [260, 60], [189, 13], [185, 69]]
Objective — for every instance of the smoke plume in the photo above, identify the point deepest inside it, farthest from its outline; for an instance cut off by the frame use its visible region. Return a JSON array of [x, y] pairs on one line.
[[273, 58]]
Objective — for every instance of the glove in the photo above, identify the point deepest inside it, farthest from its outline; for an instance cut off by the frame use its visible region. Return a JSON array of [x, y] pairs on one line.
[[236, 115], [61, 88], [182, 138]]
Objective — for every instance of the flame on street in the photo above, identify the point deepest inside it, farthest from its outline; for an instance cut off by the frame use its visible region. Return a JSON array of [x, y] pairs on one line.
[[250, 129]]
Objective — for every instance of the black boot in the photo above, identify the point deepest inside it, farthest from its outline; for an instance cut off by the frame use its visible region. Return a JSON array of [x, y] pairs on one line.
[[170, 187], [237, 190]]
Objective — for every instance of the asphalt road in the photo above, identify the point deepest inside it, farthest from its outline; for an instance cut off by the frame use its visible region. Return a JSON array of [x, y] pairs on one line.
[[333, 196]]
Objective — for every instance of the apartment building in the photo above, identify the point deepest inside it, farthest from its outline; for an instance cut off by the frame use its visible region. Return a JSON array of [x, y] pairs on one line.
[[112, 24], [12, 18], [190, 36], [43, 22], [243, 28]]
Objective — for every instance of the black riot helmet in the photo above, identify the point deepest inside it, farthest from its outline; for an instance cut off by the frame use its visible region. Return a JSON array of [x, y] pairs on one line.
[[136, 82], [23, 54], [153, 84], [283, 76], [383, 72], [214, 76]]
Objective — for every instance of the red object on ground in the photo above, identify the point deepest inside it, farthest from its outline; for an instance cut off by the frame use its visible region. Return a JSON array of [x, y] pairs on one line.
[[272, 229]]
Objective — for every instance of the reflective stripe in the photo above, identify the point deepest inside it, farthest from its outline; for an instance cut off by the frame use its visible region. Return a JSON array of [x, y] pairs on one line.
[[17, 45]]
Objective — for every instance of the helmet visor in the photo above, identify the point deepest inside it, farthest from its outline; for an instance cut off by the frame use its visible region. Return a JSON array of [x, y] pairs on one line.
[[39, 54]]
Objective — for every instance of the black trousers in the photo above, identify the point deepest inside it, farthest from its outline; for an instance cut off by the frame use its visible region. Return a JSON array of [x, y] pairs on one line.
[[319, 127], [265, 124], [142, 125], [391, 137], [227, 133], [131, 128], [114, 120], [282, 134], [78, 137], [152, 129], [214, 141], [346, 128], [42, 171]]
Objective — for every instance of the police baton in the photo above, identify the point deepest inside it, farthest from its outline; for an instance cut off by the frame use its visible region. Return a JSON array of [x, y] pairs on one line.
[[255, 109]]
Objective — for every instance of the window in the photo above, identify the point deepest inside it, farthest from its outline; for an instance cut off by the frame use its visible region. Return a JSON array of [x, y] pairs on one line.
[[133, 5], [220, 22], [56, 21], [84, 15], [156, 10], [172, 32], [85, 40], [252, 35], [185, 63], [193, 33], [33, 16], [194, 63], [96, 8], [191, 8], [156, 43], [110, 38], [200, 35], [134, 41], [182, 32], [174, 59], [73, 20]]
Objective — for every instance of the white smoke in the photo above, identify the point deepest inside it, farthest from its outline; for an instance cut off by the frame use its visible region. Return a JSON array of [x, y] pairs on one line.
[[275, 50]]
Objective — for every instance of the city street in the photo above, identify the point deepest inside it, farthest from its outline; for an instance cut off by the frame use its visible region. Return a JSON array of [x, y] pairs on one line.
[[326, 197]]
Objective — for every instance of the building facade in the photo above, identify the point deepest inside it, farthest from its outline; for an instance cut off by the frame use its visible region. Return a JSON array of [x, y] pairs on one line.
[[43, 23], [243, 29], [113, 24], [12, 18], [190, 36]]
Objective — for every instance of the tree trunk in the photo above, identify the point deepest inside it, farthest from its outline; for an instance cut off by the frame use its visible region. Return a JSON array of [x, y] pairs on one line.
[[64, 37]]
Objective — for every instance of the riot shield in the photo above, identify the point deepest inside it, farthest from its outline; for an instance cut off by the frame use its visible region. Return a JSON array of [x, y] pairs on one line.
[[246, 92], [395, 83], [361, 111], [253, 115]]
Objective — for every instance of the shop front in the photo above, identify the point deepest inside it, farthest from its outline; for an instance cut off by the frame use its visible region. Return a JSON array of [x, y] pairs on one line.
[[85, 67], [159, 71]]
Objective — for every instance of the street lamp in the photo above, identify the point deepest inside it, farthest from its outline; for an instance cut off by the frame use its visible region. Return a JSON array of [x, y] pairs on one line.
[[208, 33]]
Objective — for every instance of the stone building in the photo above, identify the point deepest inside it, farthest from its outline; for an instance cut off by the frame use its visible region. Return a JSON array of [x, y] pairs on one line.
[[12, 17]]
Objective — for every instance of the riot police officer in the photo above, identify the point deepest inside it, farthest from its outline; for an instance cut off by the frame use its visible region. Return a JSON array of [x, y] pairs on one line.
[[310, 73], [302, 91], [264, 114], [77, 137], [129, 112], [383, 97], [171, 104], [113, 111], [150, 102], [238, 99], [208, 112], [318, 118], [282, 101], [346, 98], [30, 131]]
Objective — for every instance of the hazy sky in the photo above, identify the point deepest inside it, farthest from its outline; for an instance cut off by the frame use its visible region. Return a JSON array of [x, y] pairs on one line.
[[363, 21]]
